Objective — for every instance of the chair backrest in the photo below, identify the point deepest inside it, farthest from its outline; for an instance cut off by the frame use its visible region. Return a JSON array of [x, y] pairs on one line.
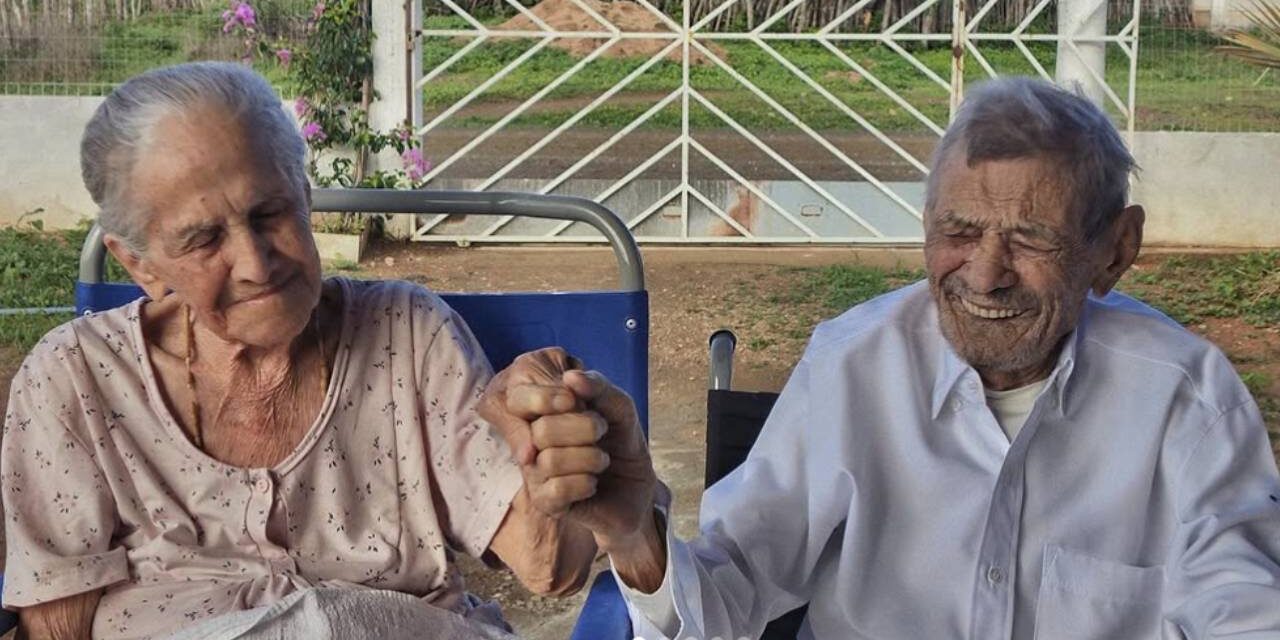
[[608, 330], [734, 422]]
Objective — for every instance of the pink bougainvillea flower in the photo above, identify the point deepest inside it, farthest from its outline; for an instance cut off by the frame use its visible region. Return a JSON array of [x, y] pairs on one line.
[[241, 13], [312, 132], [245, 14], [415, 165], [301, 106], [284, 56]]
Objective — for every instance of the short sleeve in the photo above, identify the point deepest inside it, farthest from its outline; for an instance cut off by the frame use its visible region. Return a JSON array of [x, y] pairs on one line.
[[59, 511], [475, 476]]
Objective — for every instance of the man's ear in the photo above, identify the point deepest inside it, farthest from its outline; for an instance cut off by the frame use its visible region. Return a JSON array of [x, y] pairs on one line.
[[1121, 248], [137, 267]]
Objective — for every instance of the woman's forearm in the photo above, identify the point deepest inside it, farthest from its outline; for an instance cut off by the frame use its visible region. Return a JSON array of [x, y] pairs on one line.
[[549, 556], [69, 618]]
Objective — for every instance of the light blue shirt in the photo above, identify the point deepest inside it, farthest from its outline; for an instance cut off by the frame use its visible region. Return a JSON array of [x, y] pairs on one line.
[[1139, 500]]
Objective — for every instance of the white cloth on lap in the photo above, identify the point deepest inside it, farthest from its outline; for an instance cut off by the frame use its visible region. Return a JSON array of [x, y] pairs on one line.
[[325, 614]]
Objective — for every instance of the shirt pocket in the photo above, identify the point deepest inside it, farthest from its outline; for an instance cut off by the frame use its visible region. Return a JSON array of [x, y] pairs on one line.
[[1083, 597]]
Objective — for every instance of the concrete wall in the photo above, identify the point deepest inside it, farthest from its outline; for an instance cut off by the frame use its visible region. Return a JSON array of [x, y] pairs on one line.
[[40, 159], [1221, 14], [1219, 189]]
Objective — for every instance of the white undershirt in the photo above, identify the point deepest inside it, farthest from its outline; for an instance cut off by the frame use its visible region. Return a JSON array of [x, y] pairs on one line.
[[1012, 407]]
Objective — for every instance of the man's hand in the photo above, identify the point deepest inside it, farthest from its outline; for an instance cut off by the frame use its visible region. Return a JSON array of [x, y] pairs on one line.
[[578, 441]]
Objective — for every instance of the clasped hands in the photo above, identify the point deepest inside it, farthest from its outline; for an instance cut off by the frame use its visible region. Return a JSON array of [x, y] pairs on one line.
[[579, 444]]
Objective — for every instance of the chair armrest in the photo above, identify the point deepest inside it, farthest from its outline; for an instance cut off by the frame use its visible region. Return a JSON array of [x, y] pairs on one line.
[[604, 615]]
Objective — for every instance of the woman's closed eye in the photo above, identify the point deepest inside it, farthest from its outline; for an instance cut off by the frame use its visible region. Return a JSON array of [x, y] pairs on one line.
[[203, 239], [265, 217]]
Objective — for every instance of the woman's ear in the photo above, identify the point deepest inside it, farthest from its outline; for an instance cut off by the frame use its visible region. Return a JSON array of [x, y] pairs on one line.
[[137, 266], [1121, 248]]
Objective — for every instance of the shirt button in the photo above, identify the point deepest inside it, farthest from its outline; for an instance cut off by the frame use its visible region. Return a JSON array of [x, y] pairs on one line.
[[995, 575], [263, 485]]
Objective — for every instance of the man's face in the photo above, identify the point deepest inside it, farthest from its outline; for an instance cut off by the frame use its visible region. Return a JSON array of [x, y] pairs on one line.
[[1008, 265], [228, 231]]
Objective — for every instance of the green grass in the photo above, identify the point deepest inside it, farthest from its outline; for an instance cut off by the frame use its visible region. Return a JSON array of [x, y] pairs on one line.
[[779, 312], [1182, 84], [37, 269], [1192, 288], [92, 63], [839, 287]]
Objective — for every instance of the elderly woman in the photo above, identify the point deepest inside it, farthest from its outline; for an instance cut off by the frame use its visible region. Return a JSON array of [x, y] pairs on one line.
[[248, 431]]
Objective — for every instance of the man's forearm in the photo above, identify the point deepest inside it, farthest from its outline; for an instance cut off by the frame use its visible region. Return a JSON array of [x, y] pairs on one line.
[[69, 618], [641, 562]]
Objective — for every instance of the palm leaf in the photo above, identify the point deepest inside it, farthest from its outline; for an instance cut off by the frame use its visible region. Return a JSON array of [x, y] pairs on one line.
[[1261, 45]]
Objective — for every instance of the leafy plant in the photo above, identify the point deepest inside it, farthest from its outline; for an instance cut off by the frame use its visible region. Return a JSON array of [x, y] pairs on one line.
[[333, 74], [1261, 45]]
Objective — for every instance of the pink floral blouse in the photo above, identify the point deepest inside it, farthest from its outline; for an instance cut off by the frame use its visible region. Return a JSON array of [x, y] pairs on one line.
[[102, 489]]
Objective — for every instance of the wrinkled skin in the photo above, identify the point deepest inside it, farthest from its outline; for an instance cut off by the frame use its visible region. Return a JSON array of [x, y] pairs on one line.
[[228, 232], [1010, 267]]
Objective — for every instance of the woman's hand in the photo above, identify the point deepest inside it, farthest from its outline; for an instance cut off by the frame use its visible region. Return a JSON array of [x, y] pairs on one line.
[[579, 443]]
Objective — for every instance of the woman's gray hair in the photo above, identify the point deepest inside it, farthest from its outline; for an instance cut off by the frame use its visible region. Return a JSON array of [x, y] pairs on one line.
[[1015, 117], [123, 126]]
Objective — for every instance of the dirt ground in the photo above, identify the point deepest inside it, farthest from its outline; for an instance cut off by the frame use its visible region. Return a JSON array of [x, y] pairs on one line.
[[693, 291]]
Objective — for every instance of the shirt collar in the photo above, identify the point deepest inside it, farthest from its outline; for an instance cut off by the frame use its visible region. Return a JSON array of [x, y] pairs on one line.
[[952, 369]]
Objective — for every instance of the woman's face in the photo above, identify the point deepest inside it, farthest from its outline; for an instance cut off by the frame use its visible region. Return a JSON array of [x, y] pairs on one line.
[[227, 230]]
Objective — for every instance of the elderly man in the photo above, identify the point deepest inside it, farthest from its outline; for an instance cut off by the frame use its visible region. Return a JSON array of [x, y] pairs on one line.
[[995, 453]]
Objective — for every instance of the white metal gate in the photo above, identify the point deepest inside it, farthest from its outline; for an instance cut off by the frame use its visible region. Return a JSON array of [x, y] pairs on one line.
[[801, 183]]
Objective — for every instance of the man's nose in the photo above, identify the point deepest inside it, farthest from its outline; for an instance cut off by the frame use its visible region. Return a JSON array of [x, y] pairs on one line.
[[990, 266]]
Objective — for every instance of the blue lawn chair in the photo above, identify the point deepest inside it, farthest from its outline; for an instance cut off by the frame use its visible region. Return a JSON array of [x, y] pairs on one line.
[[608, 330]]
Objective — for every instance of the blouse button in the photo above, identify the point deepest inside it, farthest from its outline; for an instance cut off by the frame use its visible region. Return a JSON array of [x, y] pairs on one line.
[[263, 485]]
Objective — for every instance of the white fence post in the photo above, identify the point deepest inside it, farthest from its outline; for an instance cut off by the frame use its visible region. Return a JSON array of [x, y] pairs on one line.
[[393, 83], [1082, 24]]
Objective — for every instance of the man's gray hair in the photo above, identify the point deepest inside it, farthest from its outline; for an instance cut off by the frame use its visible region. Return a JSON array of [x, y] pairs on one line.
[[122, 128], [1015, 117]]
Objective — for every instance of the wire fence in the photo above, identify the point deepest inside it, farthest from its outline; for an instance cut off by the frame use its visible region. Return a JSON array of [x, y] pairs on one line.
[[79, 48], [55, 47], [1184, 84]]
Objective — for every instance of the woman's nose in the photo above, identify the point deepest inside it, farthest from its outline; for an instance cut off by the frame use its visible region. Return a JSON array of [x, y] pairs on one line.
[[249, 255]]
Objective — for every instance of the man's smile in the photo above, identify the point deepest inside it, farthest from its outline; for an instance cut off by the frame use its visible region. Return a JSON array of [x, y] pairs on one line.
[[990, 313]]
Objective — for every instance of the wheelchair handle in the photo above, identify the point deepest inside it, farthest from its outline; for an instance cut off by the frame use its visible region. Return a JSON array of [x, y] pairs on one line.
[[723, 343], [630, 266]]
